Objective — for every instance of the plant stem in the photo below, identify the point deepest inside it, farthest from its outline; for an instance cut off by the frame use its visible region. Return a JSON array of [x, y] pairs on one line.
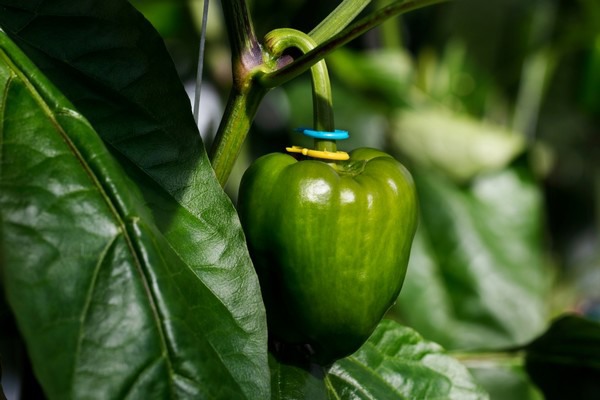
[[391, 34], [240, 30], [279, 40], [536, 68], [245, 96], [339, 18], [239, 113], [306, 61]]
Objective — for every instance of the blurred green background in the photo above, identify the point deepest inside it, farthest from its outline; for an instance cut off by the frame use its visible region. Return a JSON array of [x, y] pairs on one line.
[[495, 107]]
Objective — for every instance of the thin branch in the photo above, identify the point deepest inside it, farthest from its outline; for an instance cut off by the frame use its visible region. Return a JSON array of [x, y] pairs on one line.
[[303, 63], [339, 18]]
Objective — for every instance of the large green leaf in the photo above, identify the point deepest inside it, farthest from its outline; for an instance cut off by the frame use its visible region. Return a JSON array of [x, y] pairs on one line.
[[395, 363], [476, 277], [108, 306], [108, 61]]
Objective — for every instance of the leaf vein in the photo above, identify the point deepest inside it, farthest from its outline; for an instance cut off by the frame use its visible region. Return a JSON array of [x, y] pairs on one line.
[[87, 303]]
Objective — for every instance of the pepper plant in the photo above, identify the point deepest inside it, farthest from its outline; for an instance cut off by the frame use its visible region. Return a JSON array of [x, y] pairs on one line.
[[125, 270]]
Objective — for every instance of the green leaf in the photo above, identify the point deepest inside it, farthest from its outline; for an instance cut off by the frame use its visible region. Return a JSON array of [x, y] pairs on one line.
[[110, 62], [395, 363], [477, 266], [108, 306], [457, 144], [565, 361], [380, 75]]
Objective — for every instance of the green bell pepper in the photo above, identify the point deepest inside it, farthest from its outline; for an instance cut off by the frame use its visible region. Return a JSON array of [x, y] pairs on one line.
[[330, 243]]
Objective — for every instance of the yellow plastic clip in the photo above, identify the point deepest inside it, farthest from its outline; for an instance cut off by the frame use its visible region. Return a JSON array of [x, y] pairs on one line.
[[324, 155]]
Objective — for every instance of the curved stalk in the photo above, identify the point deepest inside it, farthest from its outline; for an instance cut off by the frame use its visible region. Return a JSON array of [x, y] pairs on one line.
[[277, 41]]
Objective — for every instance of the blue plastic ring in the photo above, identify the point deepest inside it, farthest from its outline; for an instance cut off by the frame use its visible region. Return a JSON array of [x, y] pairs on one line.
[[338, 134]]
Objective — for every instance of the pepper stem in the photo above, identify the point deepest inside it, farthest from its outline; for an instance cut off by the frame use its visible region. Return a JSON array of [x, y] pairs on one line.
[[277, 41]]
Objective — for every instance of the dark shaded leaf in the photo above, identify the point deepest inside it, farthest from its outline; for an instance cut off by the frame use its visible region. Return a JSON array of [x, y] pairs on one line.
[[107, 306], [293, 382], [565, 361]]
